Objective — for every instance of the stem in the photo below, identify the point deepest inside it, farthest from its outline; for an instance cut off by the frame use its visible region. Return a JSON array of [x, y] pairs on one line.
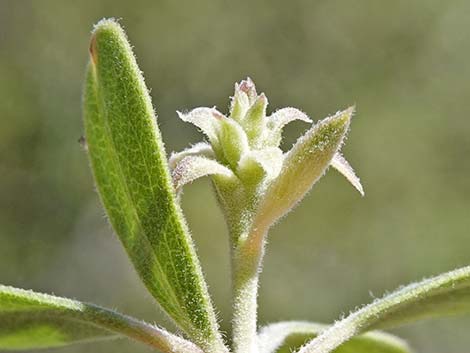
[[246, 267]]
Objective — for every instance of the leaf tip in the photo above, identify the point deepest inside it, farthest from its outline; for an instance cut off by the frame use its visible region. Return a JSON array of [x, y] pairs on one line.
[[106, 23], [346, 115], [106, 27]]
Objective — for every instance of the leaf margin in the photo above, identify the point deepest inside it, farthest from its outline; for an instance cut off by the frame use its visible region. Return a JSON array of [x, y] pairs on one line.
[[370, 316], [67, 310], [114, 82]]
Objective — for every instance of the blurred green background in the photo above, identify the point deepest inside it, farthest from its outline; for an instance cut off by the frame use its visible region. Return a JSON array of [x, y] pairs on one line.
[[404, 63]]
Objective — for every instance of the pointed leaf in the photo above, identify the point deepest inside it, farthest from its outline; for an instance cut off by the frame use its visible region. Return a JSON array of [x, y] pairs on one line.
[[195, 167], [285, 337], [226, 136], [446, 294], [31, 320], [133, 179], [279, 119], [202, 149], [303, 165], [341, 165], [284, 116], [206, 119]]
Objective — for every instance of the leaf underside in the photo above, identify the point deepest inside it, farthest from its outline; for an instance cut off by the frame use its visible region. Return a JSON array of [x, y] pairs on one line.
[[443, 295], [131, 173]]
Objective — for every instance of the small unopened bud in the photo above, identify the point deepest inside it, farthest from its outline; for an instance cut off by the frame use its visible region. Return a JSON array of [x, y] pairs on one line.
[[254, 122], [249, 88]]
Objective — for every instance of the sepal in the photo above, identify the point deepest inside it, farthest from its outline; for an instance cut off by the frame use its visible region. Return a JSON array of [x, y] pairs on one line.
[[206, 119], [260, 164], [233, 142], [276, 122], [191, 168], [199, 149], [226, 136]]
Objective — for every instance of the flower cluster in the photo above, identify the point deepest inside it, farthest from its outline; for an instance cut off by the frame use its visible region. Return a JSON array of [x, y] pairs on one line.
[[243, 155]]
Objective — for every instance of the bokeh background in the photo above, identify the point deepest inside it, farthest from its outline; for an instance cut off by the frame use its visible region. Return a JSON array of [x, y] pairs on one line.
[[403, 63]]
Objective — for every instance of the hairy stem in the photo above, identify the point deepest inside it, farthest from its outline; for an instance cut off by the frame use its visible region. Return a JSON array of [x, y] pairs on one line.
[[246, 267]]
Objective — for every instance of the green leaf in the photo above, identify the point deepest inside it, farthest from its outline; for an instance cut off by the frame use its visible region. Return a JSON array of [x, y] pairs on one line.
[[32, 320], [286, 337], [132, 176], [303, 165], [446, 294]]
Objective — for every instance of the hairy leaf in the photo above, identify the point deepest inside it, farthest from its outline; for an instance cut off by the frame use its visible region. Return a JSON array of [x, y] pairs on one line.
[[227, 138], [279, 119], [284, 116], [446, 294], [286, 337], [303, 165], [32, 320], [132, 176], [206, 119]]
